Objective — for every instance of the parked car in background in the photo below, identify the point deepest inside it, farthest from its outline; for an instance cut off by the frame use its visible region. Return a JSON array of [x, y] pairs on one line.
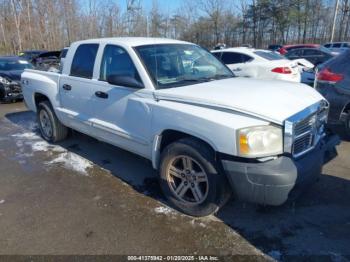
[[315, 56], [338, 47], [46, 60], [30, 54], [207, 132], [259, 63], [286, 48], [274, 47], [11, 68], [333, 82]]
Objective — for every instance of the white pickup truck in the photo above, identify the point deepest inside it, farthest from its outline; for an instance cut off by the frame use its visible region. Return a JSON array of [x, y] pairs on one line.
[[172, 102]]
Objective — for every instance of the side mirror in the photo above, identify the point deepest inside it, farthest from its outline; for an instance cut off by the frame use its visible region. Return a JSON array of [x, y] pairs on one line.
[[124, 80]]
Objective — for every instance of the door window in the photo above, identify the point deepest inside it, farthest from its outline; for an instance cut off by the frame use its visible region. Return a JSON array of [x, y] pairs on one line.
[[231, 58], [84, 61], [312, 52], [116, 61], [294, 53], [218, 55]]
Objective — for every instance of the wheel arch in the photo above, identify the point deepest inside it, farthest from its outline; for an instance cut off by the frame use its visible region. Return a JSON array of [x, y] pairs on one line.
[[40, 97], [169, 136], [347, 108]]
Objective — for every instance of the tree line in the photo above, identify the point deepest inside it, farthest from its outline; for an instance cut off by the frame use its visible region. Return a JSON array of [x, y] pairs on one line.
[[53, 24]]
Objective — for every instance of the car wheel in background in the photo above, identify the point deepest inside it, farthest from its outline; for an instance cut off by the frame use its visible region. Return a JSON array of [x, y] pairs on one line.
[[347, 125], [51, 128], [190, 178], [2, 93]]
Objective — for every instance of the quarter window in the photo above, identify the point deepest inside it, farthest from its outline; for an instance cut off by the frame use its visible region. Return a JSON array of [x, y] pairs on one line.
[[84, 60]]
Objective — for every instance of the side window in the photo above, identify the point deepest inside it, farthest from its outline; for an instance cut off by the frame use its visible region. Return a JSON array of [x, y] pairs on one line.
[[218, 55], [294, 53], [84, 60], [231, 58], [246, 58], [312, 52], [327, 45], [337, 45], [116, 61]]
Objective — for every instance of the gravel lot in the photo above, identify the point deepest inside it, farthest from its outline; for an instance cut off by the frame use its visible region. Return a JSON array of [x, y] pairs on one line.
[[86, 197]]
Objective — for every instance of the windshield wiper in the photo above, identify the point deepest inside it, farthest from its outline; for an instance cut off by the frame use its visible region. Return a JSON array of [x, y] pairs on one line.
[[200, 79]]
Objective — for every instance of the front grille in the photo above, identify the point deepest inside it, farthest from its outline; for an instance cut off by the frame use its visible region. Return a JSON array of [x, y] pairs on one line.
[[308, 130], [304, 134]]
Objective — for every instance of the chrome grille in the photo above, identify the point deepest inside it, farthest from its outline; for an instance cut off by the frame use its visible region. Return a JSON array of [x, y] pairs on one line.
[[304, 130], [304, 134]]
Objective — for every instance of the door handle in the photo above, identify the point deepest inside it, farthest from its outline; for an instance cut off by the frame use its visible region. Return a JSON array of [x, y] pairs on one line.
[[101, 94], [67, 87]]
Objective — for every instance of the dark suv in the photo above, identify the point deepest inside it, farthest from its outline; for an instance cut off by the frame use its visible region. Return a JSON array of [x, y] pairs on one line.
[[333, 82]]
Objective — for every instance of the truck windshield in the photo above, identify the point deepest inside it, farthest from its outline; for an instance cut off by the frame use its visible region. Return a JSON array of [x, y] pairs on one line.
[[173, 65]]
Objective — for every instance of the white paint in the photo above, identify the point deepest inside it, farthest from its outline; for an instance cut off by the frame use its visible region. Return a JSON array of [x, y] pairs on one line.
[[72, 161]]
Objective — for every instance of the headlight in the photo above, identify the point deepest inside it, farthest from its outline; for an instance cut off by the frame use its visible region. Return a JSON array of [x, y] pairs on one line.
[[260, 141], [4, 81]]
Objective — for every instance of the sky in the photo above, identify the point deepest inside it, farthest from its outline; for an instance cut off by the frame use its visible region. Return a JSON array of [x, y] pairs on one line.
[[164, 5]]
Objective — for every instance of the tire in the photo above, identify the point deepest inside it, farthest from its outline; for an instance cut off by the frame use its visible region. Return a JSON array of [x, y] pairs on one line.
[[2, 93], [214, 190], [347, 126], [58, 131]]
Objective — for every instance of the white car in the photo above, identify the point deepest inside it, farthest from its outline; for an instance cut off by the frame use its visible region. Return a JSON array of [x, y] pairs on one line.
[[259, 63], [208, 132]]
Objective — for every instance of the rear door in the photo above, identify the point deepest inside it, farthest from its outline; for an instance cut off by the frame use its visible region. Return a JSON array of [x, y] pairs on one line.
[[76, 88], [236, 62]]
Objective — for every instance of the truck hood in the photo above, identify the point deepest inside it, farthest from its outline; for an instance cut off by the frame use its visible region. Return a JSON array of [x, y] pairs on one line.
[[273, 101]]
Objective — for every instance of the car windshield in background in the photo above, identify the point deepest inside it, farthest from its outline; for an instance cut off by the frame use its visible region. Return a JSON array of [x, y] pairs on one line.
[[6, 65], [173, 65], [269, 55], [326, 50]]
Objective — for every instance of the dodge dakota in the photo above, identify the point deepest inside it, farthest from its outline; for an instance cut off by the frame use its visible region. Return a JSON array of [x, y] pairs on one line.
[[209, 133]]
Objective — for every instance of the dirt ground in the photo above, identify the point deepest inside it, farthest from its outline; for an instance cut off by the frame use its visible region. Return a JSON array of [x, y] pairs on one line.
[[84, 197]]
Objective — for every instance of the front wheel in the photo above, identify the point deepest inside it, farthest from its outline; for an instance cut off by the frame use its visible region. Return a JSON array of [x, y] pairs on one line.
[[190, 179], [51, 128]]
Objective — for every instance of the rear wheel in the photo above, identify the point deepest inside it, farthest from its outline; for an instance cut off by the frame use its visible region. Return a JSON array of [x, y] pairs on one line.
[[190, 179], [51, 128]]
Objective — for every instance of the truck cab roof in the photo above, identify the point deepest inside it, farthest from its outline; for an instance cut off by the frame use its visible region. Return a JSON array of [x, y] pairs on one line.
[[132, 41]]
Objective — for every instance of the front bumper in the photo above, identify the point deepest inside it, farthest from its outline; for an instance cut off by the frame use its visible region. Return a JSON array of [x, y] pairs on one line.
[[271, 182]]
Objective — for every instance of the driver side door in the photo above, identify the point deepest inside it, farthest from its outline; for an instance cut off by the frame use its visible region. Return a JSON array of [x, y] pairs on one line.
[[119, 114]]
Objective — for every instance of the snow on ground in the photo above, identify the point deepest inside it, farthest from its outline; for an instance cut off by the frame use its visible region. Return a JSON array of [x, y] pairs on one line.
[[29, 143], [164, 210], [72, 161]]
